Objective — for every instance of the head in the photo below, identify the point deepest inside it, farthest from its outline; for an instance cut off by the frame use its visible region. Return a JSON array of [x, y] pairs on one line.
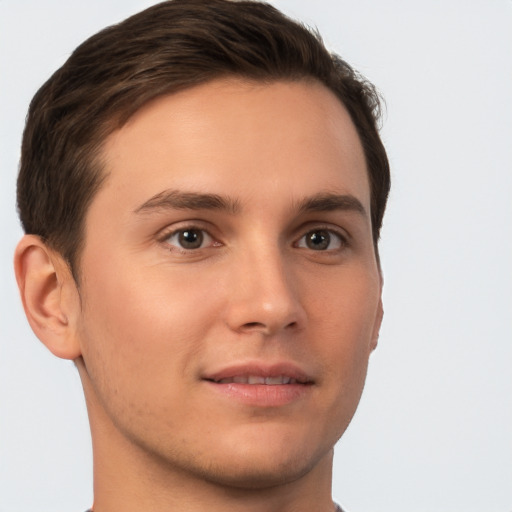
[[172, 46], [207, 184]]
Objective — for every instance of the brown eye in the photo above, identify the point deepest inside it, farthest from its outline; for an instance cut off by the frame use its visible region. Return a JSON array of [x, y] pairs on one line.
[[318, 240], [321, 240], [189, 239]]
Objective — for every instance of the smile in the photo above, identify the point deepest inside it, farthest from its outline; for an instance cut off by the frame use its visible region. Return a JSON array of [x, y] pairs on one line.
[[258, 379], [258, 384], [259, 373]]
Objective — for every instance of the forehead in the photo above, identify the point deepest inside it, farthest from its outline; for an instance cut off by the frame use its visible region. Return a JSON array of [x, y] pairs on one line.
[[239, 138]]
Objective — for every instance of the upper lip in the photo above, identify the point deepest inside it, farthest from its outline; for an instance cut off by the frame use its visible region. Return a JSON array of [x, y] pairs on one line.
[[260, 369]]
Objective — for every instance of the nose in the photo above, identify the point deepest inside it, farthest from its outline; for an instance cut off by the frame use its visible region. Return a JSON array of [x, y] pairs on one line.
[[264, 296]]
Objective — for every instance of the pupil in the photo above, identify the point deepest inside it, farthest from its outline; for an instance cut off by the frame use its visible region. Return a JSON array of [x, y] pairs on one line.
[[318, 240], [191, 239]]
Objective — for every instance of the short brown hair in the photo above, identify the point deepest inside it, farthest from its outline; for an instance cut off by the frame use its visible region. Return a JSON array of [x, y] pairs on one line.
[[169, 47]]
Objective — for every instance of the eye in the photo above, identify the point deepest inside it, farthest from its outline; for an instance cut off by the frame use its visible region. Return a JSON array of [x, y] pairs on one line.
[[189, 239], [321, 240]]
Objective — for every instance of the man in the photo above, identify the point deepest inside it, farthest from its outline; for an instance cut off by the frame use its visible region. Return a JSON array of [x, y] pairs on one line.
[[202, 187]]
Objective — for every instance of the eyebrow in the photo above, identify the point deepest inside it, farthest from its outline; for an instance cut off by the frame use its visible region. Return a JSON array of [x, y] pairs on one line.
[[179, 200], [326, 202]]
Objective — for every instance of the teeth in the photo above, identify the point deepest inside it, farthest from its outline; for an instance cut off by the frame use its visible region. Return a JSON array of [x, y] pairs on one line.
[[274, 380], [258, 379], [254, 379]]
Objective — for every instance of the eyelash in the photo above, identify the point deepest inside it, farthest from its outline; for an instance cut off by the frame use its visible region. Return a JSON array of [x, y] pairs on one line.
[[167, 235], [341, 238]]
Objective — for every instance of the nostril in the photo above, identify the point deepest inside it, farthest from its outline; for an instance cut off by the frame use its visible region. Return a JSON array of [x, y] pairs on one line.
[[260, 326], [253, 325]]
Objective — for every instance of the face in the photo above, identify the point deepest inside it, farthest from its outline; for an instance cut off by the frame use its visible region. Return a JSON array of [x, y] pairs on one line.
[[229, 284]]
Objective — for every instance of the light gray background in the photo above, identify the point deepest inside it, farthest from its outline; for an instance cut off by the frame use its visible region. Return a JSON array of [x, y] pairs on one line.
[[434, 429]]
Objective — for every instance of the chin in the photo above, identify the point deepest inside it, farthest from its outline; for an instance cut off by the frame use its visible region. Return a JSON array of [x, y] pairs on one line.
[[263, 461], [247, 473]]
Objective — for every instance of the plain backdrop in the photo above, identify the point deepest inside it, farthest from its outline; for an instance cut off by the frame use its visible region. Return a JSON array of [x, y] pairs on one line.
[[433, 432]]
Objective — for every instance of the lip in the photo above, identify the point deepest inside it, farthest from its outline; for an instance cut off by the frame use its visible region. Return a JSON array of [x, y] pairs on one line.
[[297, 384]]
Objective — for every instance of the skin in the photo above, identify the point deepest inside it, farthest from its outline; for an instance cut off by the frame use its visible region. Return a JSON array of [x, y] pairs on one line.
[[151, 320]]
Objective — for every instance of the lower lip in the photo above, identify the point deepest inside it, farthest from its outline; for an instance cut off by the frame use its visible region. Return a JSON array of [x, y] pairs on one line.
[[262, 395]]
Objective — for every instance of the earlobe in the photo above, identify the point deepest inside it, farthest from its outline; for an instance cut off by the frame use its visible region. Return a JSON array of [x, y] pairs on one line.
[[49, 296]]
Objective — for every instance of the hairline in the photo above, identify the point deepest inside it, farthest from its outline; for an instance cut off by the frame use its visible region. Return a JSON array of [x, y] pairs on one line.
[[97, 163]]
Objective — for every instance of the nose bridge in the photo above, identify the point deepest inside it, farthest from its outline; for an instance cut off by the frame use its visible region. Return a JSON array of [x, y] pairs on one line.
[[265, 298]]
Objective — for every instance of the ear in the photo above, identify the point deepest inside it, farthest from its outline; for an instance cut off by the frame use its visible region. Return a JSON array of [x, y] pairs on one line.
[[379, 314], [49, 295], [376, 326]]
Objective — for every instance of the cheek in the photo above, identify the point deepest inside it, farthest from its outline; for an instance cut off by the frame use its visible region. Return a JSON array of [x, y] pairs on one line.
[[139, 331], [130, 308], [346, 306], [345, 318]]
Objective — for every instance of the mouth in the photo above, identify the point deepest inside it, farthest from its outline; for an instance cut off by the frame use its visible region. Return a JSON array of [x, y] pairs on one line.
[[279, 380], [260, 373], [261, 385]]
